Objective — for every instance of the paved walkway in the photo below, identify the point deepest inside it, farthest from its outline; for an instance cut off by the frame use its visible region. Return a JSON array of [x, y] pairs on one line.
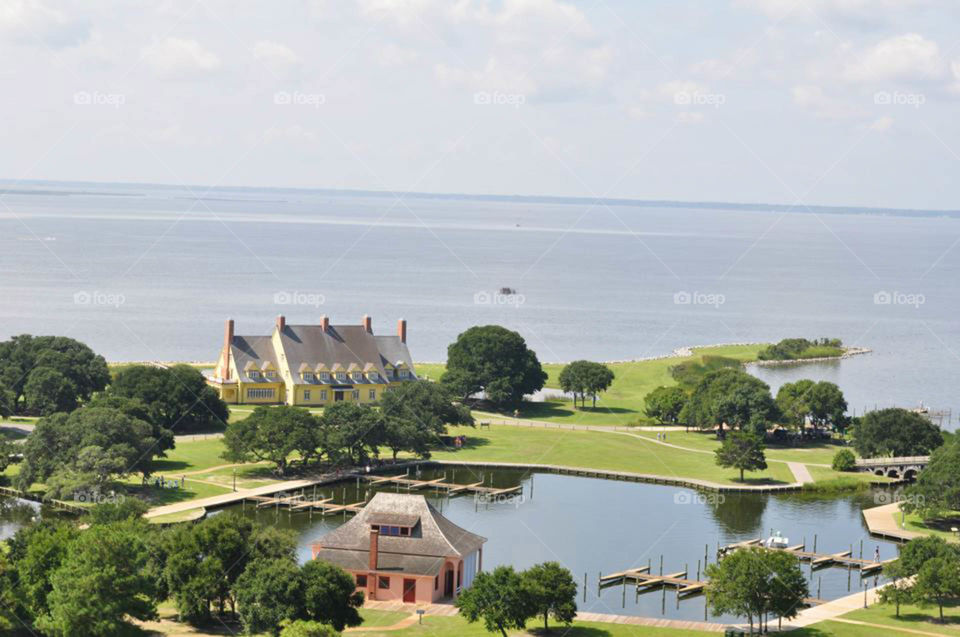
[[833, 609], [230, 498], [882, 521], [800, 472]]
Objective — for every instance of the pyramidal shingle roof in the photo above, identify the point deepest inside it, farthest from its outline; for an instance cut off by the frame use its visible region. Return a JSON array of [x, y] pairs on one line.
[[432, 539]]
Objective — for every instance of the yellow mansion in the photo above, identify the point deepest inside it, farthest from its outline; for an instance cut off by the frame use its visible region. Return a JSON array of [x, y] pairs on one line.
[[311, 365]]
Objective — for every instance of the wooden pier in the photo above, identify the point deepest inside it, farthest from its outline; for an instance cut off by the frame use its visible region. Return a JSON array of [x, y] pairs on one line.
[[404, 480], [298, 502], [56, 504], [818, 560]]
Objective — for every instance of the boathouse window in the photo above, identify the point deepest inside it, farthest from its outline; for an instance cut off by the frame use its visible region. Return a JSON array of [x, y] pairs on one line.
[[404, 531], [383, 582], [436, 583], [361, 581]]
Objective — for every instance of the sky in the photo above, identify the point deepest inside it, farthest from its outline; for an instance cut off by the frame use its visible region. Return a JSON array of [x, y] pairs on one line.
[[801, 102]]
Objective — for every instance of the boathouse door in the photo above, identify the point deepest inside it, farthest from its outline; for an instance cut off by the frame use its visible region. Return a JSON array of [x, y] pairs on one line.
[[409, 591], [448, 582]]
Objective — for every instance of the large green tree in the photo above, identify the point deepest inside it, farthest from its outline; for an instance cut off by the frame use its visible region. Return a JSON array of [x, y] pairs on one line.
[[732, 397], [177, 397], [355, 431], [48, 391], [585, 378], [828, 407], [22, 356], [499, 598], [895, 432], [272, 434], [496, 361], [552, 592], [269, 592], [742, 450], [937, 489], [416, 413], [938, 581], [330, 595], [792, 402], [36, 552], [100, 584], [754, 582], [665, 404], [85, 448]]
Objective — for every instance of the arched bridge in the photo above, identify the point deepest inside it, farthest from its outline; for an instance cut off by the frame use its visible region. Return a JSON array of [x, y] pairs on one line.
[[905, 468]]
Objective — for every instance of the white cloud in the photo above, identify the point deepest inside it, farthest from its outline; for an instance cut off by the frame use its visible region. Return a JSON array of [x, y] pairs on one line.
[[689, 117], [904, 57], [814, 9], [274, 53], [812, 98], [175, 57], [32, 22], [391, 55]]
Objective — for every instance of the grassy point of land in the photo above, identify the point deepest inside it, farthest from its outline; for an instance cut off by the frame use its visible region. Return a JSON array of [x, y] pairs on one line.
[[939, 526]]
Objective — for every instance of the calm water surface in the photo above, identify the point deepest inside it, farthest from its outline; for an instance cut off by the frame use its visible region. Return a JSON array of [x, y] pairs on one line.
[[593, 526], [145, 272]]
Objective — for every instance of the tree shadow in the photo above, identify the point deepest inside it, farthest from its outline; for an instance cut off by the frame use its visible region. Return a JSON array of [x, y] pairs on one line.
[[472, 442], [570, 631]]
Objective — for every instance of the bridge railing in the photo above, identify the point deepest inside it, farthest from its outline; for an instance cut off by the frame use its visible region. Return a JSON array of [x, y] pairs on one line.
[[886, 462]]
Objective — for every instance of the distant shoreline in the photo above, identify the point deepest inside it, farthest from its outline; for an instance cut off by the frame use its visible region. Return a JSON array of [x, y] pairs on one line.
[[499, 198]]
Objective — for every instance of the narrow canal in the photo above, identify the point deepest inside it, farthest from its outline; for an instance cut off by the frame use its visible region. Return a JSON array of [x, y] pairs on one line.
[[593, 525]]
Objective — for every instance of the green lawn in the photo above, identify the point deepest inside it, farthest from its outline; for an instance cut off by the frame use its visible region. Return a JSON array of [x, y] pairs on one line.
[[816, 453], [599, 450], [912, 618], [439, 626], [939, 527], [622, 404]]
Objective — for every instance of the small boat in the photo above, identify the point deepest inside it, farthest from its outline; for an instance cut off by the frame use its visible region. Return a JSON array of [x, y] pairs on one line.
[[777, 541]]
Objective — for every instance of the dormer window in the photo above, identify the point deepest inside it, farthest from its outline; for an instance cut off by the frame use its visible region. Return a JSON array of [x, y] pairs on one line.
[[308, 376], [357, 376], [402, 373], [341, 376], [271, 374], [325, 377], [254, 375], [373, 376]]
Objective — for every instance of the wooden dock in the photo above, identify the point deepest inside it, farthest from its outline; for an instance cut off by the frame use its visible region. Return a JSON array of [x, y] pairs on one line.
[[441, 484], [818, 560], [298, 502], [56, 504]]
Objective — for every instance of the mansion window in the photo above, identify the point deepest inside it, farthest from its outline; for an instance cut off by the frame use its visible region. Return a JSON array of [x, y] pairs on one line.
[[323, 394], [373, 394], [308, 376], [402, 373], [306, 394], [324, 377], [373, 377], [341, 376], [356, 394], [259, 393], [254, 375], [357, 376]]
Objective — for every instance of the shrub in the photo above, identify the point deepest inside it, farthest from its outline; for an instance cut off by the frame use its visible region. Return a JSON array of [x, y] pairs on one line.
[[844, 460]]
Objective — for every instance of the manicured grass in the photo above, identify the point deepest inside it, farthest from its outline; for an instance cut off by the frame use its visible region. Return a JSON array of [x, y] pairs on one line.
[[912, 617], [439, 626], [599, 450], [192, 455], [622, 404], [382, 617], [816, 453], [940, 527]]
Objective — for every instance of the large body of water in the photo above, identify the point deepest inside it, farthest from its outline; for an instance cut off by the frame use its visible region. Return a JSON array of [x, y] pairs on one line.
[[147, 272], [592, 526]]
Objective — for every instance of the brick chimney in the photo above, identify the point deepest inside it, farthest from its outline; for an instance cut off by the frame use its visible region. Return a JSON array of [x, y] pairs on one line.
[[402, 330], [325, 323], [281, 322], [374, 548], [368, 324], [227, 342]]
